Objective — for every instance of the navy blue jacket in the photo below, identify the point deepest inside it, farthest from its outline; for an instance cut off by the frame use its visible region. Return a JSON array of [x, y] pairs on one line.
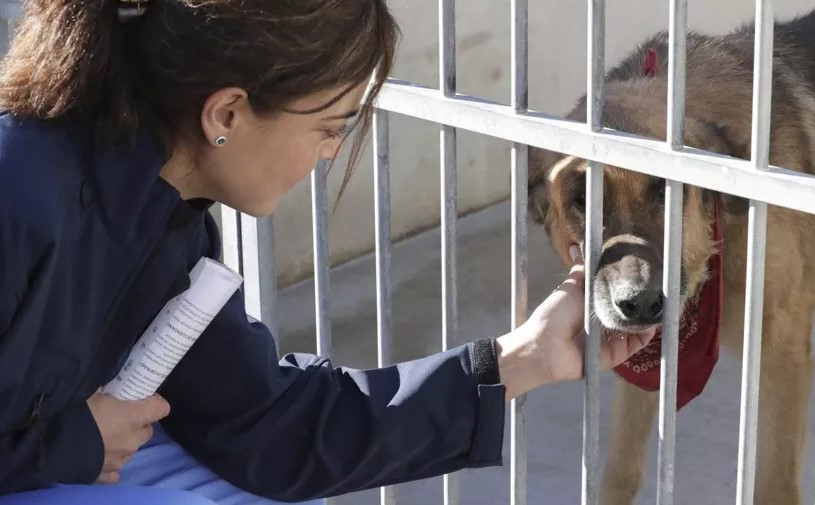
[[92, 244]]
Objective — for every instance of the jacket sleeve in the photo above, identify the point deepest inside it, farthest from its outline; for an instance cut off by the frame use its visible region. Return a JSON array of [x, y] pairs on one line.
[[35, 448], [300, 428]]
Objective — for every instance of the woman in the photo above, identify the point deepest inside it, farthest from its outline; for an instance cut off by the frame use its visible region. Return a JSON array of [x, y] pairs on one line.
[[122, 123]]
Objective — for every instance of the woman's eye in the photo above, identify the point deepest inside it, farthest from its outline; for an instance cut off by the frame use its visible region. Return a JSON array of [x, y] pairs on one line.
[[339, 132]]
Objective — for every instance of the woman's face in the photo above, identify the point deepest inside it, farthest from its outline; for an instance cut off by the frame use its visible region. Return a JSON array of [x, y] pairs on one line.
[[262, 158]]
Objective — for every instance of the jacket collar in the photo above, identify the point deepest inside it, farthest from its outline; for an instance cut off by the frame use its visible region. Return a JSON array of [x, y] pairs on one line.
[[133, 198]]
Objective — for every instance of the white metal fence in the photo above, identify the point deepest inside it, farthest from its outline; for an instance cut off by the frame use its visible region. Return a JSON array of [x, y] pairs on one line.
[[250, 241], [249, 245]]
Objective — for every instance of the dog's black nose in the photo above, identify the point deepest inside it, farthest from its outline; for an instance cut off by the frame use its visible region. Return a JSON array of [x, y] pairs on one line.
[[643, 307]]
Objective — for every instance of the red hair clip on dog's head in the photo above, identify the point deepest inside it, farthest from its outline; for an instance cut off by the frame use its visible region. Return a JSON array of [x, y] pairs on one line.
[[651, 65]]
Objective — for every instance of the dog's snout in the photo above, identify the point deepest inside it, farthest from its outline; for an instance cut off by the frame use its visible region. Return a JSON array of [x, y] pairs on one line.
[[628, 291], [640, 307]]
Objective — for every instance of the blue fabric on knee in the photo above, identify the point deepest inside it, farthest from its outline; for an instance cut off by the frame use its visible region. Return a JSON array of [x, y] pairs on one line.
[[160, 473], [163, 463], [106, 495]]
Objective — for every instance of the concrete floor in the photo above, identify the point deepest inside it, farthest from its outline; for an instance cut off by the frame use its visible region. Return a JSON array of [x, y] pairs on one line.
[[707, 433]]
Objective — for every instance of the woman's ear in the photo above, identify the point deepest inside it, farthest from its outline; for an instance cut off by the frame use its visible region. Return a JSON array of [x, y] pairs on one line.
[[222, 112]]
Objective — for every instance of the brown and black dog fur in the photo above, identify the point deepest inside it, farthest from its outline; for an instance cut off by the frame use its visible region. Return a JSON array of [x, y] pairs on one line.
[[718, 118]]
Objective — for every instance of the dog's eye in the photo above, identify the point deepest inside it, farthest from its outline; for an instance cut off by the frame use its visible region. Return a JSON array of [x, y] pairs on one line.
[[579, 200], [658, 190]]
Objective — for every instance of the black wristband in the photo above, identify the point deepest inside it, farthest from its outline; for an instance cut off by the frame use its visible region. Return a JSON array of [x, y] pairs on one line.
[[485, 361]]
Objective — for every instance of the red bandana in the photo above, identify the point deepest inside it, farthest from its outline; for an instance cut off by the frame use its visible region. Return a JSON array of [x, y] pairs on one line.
[[698, 339]]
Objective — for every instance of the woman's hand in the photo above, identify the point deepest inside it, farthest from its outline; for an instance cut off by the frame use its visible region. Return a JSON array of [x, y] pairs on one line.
[[125, 426], [548, 347]]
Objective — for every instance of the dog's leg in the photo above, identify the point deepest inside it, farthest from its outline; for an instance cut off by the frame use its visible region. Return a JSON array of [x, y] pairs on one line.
[[632, 418], [786, 377]]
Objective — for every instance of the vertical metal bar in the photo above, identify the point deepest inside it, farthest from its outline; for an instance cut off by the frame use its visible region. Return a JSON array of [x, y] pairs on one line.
[[319, 212], [677, 45], [10, 11], [672, 254], [449, 192], [230, 224], [382, 217], [756, 249], [11, 27], [319, 227], [448, 229], [251, 265], [449, 292], [594, 244], [260, 284], [447, 47], [519, 11]]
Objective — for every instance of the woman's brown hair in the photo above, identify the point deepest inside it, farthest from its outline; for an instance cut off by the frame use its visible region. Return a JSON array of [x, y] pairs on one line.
[[156, 70]]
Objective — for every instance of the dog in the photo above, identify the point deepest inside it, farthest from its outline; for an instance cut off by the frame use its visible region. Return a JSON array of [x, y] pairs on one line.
[[627, 291]]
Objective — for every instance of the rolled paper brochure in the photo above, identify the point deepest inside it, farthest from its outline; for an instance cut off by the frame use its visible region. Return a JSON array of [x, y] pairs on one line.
[[174, 330]]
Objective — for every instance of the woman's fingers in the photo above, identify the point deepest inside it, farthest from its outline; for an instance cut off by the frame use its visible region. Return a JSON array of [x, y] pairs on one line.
[[108, 478], [574, 252], [577, 275], [616, 348]]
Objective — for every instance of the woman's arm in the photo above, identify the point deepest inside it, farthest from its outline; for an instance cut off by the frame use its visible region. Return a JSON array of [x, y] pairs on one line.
[[301, 428]]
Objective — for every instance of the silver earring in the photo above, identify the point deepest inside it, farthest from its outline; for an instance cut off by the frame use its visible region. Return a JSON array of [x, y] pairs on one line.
[[221, 140]]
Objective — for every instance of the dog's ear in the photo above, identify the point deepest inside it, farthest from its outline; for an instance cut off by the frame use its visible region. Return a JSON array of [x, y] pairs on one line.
[[540, 163], [722, 139]]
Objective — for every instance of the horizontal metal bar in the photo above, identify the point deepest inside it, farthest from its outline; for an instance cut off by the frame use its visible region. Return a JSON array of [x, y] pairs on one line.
[[319, 212], [777, 186]]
